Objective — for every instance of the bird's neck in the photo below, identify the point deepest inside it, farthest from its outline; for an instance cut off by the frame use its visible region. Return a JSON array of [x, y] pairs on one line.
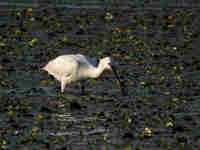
[[97, 71]]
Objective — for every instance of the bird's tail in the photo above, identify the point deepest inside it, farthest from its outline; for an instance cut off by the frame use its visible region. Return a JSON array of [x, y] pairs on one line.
[[44, 68]]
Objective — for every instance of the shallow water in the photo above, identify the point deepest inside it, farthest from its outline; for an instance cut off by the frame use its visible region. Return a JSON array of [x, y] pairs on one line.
[[161, 110]]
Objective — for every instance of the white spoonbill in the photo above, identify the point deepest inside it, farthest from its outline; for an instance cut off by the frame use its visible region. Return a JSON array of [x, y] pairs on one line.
[[70, 68]]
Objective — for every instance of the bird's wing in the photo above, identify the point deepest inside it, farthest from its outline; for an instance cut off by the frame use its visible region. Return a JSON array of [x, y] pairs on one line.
[[62, 66], [67, 65], [87, 60]]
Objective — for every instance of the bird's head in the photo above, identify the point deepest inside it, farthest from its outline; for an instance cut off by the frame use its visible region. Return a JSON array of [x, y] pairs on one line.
[[108, 65], [106, 62]]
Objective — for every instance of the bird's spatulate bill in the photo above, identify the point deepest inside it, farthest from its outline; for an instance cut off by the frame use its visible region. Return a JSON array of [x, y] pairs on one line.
[[119, 83]]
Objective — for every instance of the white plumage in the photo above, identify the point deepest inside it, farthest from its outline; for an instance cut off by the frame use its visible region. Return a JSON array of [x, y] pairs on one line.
[[70, 68]]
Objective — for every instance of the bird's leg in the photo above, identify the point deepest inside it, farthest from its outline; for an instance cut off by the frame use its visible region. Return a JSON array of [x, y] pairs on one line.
[[62, 87], [82, 89], [64, 81], [61, 94], [82, 83]]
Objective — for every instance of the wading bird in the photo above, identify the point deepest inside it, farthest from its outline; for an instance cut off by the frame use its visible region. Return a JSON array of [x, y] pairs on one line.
[[70, 68]]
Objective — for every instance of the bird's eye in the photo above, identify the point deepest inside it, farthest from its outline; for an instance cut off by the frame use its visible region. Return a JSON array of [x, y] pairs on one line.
[[98, 60]]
